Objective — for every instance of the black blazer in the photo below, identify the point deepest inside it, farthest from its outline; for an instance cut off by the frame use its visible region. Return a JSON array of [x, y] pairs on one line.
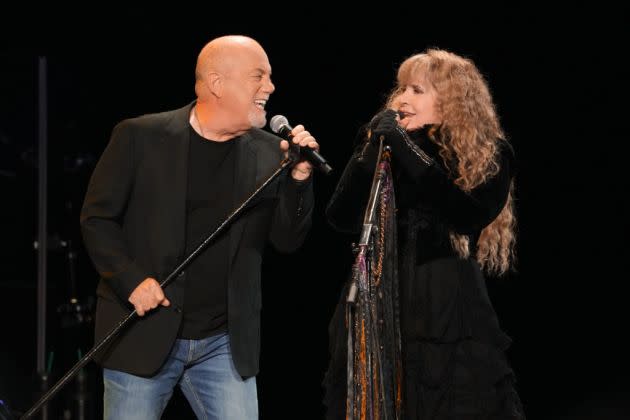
[[133, 225]]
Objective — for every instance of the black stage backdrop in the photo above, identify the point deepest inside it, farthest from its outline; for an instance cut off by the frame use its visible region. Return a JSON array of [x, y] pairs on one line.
[[560, 88]]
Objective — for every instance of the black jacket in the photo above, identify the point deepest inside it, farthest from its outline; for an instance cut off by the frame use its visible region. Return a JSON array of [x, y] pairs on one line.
[[133, 225]]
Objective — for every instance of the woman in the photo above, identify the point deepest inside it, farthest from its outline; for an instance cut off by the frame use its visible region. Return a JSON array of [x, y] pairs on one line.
[[453, 175]]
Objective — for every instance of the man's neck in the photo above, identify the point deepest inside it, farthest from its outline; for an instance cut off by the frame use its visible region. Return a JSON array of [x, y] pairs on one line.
[[201, 121]]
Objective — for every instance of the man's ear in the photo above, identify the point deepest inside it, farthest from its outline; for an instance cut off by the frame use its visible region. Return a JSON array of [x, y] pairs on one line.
[[215, 81]]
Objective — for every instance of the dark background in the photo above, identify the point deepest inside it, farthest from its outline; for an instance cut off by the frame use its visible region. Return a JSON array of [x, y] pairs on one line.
[[560, 88]]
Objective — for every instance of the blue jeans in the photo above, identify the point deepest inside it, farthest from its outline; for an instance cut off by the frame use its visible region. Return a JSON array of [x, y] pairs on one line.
[[204, 371]]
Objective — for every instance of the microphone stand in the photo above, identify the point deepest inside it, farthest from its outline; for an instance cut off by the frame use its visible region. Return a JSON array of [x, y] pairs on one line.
[[290, 160], [369, 217], [361, 313]]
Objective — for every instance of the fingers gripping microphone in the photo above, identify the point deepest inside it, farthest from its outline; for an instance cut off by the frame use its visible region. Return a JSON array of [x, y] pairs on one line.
[[280, 125]]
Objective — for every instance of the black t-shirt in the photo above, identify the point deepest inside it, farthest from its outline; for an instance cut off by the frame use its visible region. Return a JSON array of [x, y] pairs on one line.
[[211, 178]]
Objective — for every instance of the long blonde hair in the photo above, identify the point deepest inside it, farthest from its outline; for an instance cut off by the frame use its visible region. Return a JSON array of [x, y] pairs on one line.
[[470, 136]]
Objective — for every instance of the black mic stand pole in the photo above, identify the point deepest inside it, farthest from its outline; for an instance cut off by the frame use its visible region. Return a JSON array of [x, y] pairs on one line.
[[169, 279], [42, 228], [369, 215]]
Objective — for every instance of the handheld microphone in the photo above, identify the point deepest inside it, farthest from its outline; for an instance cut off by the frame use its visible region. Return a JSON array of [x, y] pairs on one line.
[[280, 125]]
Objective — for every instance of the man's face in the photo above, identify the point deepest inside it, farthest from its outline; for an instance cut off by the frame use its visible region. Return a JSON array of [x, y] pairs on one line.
[[247, 88]]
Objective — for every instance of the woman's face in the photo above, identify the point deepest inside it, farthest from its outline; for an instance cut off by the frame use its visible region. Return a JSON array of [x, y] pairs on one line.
[[416, 103]]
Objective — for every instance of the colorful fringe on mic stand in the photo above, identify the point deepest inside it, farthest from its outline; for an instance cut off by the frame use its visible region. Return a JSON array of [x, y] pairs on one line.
[[374, 366]]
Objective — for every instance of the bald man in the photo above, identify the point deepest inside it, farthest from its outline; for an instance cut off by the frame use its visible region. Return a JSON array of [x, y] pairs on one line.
[[163, 183]]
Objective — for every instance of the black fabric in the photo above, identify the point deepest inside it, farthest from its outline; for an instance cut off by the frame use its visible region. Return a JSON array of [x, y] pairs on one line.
[[210, 184], [430, 191], [453, 347], [335, 382]]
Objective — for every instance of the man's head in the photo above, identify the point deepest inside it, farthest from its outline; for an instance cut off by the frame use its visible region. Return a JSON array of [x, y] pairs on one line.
[[233, 83]]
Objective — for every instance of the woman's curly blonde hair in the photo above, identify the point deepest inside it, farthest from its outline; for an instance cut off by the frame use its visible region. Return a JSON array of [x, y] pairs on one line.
[[470, 136]]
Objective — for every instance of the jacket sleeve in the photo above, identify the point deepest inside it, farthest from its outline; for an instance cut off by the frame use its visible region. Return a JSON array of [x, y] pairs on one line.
[[465, 211], [346, 207], [293, 214], [103, 211]]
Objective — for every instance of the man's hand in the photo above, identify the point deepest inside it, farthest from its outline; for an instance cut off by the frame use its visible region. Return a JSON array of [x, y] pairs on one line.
[[148, 295], [302, 170]]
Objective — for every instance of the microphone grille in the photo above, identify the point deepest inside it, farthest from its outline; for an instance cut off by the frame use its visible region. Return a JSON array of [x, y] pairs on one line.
[[277, 122]]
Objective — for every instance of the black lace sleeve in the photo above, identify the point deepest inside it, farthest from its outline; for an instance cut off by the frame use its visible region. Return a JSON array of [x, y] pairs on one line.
[[465, 212]]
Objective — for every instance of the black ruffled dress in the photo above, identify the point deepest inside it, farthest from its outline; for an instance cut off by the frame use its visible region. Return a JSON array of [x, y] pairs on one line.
[[453, 348]]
